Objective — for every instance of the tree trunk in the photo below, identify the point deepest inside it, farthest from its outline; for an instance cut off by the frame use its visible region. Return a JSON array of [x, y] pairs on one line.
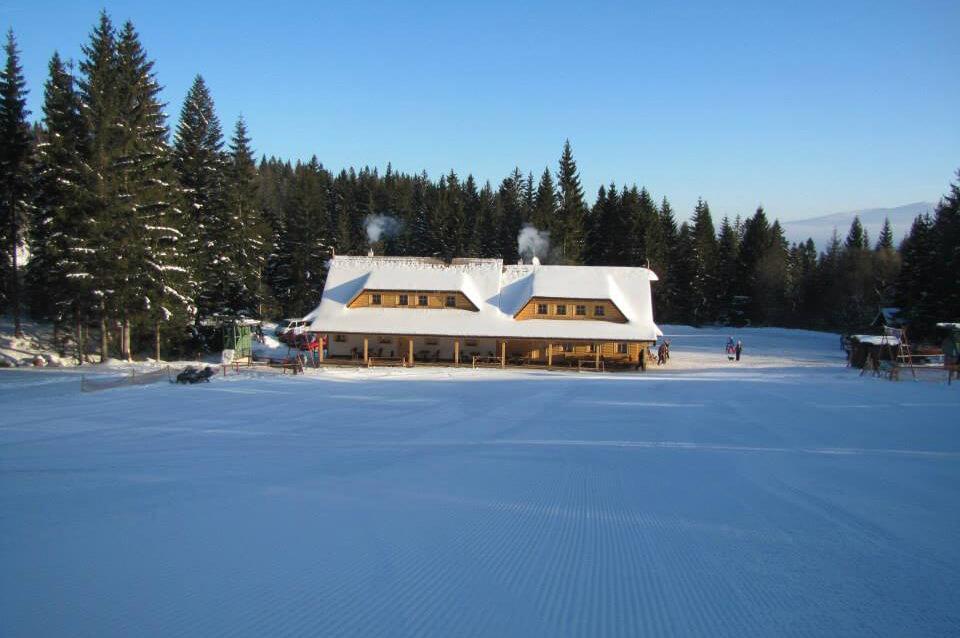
[[104, 335], [79, 337], [156, 342], [14, 275], [125, 344]]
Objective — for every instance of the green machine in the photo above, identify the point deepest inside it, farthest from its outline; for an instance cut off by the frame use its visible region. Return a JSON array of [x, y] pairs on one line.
[[238, 336]]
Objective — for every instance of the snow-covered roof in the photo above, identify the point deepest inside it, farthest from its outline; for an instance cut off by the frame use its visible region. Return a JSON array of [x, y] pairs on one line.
[[498, 292]]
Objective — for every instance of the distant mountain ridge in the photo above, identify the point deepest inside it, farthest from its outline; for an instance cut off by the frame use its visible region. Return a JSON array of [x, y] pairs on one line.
[[820, 229]]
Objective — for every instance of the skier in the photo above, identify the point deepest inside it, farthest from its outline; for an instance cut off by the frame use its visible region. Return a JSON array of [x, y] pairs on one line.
[[731, 348], [739, 348]]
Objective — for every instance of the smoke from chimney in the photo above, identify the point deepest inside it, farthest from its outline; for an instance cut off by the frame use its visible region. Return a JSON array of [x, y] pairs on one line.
[[533, 243], [381, 226]]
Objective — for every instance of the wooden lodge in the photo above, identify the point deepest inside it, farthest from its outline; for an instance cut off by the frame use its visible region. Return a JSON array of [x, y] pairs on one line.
[[403, 311]]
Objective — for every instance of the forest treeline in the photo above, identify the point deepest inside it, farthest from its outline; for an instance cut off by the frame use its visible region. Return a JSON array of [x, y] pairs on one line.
[[128, 224]]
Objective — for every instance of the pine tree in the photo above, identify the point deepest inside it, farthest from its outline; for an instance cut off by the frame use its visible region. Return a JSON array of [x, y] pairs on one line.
[[472, 218], [704, 285], [201, 172], [728, 247], [856, 238], [15, 177], [153, 283], [947, 228], [667, 292], [63, 240], [570, 230], [489, 223], [545, 203], [249, 254], [100, 108], [918, 277], [510, 198], [885, 241]]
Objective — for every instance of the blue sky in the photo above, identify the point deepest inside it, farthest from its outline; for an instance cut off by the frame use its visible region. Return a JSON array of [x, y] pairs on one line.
[[807, 109]]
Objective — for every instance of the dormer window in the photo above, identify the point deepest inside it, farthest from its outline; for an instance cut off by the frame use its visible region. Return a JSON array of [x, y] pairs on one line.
[[541, 308], [376, 299], [561, 309], [451, 301], [403, 300], [421, 300], [599, 311]]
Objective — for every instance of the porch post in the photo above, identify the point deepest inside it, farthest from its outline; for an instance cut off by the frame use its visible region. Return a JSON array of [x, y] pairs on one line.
[[456, 352], [596, 349], [366, 351], [549, 355], [410, 353], [320, 347], [503, 353]]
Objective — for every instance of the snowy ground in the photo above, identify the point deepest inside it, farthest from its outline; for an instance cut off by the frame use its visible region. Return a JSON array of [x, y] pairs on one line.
[[782, 496]]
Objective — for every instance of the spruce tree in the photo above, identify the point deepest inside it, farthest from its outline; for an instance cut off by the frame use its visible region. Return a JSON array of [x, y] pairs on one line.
[[201, 172], [918, 277], [728, 247], [99, 94], [885, 241], [15, 177], [510, 207], [63, 236], [947, 228], [570, 231], [545, 203], [153, 284], [704, 285], [242, 206]]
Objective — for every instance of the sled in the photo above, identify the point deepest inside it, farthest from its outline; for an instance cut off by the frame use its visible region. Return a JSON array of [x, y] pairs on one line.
[[193, 375]]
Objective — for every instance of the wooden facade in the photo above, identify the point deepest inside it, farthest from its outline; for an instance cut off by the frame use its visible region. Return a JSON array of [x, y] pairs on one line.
[[433, 299], [571, 310]]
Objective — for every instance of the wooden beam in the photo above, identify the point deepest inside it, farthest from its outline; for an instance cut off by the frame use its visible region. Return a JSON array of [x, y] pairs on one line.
[[503, 354], [596, 348], [410, 350], [366, 350], [549, 355], [456, 353], [320, 347]]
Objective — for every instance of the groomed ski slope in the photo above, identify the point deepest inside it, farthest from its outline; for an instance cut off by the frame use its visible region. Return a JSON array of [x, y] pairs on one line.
[[782, 496]]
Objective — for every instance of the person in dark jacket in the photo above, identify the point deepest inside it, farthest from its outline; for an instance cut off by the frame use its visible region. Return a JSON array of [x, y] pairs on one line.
[[739, 348]]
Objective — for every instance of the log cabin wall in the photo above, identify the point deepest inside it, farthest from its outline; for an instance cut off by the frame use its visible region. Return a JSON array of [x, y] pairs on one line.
[[610, 311], [436, 300]]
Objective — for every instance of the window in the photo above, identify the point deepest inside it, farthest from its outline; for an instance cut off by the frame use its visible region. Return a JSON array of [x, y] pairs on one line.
[[421, 300], [568, 347], [593, 348], [376, 299], [451, 301], [431, 342], [340, 338], [541, 308], [599, 311], [471, 342], [581, 310], [403, 300], [385, 340], [621, 348], [561, 309]]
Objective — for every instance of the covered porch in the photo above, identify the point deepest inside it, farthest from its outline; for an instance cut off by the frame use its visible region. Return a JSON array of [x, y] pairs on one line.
[[409, 350]]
